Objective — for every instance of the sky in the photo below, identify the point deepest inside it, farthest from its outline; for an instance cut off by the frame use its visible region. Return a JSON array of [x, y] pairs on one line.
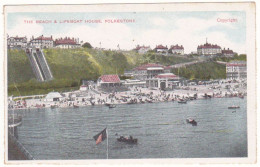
[[189, 29]]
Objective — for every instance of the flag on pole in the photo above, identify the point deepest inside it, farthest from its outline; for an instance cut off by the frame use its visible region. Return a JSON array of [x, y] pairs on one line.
[[101, 136]]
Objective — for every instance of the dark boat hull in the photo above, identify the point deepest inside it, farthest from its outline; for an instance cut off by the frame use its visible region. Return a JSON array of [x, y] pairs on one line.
[[233, 107], [129, 141], [182, 102], [112, 106], [193, 122]]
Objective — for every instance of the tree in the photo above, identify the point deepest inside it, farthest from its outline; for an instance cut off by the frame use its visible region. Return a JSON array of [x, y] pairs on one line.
[[87, 45]]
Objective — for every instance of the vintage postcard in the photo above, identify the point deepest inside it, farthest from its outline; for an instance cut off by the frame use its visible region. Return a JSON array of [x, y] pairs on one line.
[[135, 83]]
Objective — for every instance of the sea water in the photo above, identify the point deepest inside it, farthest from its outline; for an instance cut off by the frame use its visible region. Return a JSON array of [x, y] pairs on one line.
[[161, 130]]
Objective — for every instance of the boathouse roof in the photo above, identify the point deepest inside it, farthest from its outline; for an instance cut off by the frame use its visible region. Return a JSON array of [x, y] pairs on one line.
[[52, 95], [110, 78]]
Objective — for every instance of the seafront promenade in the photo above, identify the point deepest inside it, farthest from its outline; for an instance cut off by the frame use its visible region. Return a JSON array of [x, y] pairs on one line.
[[138, 95]]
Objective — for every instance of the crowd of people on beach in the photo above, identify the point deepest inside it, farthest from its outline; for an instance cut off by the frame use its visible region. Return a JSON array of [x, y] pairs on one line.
[[137, 95]]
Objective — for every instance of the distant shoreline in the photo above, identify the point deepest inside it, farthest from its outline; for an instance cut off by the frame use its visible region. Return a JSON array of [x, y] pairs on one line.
[[157, 97]]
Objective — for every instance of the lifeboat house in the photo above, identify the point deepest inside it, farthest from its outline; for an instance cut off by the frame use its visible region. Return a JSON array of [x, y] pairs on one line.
[[108, 81], [162, 81], [53, 96]]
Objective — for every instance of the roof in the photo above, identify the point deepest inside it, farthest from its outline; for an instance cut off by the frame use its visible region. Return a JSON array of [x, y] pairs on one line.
[[167, 75], [145, 66], [208, 45], [161, 47], [173, 47], [167, 67], [155, 68], [69, 41], [138, 47], [18, 37], [110, 78], [52, 95], [227, 51], [44, 38], [236, 63]]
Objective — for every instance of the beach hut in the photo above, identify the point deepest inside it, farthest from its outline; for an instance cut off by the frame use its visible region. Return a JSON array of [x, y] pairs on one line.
[[83, 88], [53, 96]]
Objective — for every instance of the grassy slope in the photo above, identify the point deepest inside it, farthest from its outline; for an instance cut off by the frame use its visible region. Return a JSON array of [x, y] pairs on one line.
[[69, 66], [241, 57], [202, 71], [19, 68], [82, 63]]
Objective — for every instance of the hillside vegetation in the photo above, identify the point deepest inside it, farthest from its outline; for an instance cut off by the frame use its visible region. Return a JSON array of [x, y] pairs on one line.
[[236, 57], [70, 66], [202, 71], [18, 67]]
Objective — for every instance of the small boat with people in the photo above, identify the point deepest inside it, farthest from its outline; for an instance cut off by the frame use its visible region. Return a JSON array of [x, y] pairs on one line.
[[54, 106], [108, 104], [182, 101], [132, 101], [75, 106], [112, 106], [206, 96], [233, 107], [191, 121], [129, 140], [149, 100], [92, 103], [192, 98], [241, 96]]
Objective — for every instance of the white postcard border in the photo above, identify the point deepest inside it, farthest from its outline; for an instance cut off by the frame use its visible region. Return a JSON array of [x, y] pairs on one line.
[[249, 8]]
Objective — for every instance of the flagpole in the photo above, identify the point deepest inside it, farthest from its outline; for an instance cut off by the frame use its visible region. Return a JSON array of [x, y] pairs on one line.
[[107, 143]]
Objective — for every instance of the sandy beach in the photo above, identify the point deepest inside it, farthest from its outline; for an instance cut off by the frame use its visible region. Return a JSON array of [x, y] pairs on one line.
[[138, 95]]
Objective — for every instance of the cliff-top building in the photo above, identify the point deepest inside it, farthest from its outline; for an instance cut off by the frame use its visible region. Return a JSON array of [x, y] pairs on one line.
[[142, 49], [176, 49], [208, 49], [16, 42], [67, 43], [228, 52], [161, 49], [41, 42]]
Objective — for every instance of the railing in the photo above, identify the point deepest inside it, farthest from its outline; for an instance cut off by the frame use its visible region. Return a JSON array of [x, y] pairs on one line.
[[44, 65], [21, 147], [39, 65], [35, 67]]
